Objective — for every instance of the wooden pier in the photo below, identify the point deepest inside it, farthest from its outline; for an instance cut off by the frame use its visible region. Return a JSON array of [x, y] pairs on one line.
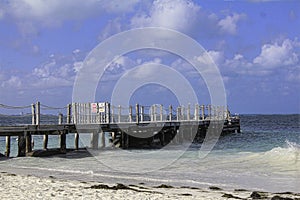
[[126, 127]]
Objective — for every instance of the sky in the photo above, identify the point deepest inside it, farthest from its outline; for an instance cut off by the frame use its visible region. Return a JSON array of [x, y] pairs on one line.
[[255, 44]]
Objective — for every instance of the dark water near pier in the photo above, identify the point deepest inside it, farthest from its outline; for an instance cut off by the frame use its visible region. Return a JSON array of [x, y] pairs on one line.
[[264, 156]]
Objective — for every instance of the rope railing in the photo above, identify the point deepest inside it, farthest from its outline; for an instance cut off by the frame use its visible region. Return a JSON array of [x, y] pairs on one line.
[[33, 114], [14, 107], [46, 107]]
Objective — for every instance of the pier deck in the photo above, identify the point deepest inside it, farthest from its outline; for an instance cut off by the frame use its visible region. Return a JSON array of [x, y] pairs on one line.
[[142, 127]]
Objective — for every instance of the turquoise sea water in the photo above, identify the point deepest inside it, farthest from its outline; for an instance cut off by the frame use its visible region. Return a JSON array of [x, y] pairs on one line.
[[264, 156]]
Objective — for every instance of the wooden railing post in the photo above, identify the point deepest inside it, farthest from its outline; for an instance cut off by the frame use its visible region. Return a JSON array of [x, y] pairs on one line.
[[38, 114], [130, 113], [209, 111], [69, 113], [142, 113], [119, 113], [196, 115], [188, 112], [137, 113], [60, 118], [154, 112], [112, 113], [161, 112], [170, 113], [203, 112], [33, 114], [107, 112]]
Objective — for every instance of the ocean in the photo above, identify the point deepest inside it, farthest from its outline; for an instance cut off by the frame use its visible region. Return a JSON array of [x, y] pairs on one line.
[[265, 156]]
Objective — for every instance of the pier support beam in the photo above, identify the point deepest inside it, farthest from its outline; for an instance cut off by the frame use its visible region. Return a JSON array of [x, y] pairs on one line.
[[76, 141], [62, 141], [102, 137], [94, 140], [7, 151], [21, 146], [28, 142], [45, 142]]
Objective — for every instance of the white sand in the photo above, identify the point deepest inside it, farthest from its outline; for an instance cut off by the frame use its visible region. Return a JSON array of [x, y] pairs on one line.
[[29, 187]]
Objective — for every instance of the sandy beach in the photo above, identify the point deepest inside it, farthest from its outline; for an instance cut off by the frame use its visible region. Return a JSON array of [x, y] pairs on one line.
[[13, 186]]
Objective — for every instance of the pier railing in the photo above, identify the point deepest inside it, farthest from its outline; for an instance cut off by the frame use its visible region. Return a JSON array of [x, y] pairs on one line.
[[105, 113]]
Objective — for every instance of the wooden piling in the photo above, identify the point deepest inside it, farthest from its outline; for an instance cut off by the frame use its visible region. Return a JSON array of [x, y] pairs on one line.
[[62, 136], [45, 141], [21, 146], [28, 142], [7, 151], [94, 140], [76, 140], [102, 136], [63, 145]]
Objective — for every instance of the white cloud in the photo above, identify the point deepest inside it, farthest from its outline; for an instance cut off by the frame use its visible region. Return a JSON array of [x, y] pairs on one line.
[[12, 82], [2, 13], [30, 15], [277, 55], [113, 27], [185, 16], [77, 66], [76, 51], [174, 14], [217, 56], [229, 23], [118, 6]]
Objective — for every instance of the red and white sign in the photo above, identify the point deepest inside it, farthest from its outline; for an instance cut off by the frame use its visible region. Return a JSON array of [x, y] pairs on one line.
[[94, 107]]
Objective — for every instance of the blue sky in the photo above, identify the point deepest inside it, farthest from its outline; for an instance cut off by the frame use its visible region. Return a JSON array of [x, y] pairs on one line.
[[255, 44]]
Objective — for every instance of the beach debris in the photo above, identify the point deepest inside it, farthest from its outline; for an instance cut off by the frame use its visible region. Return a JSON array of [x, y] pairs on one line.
[[280, 198], [257, 195], [119, 186], [186, 194], [164, 186], [241, 190], [230, 196], [214, 188]]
